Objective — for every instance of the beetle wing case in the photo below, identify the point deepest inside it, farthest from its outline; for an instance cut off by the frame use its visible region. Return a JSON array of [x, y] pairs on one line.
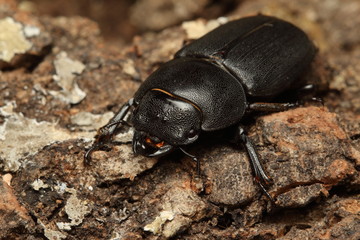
[[265, 53], [219, 95]]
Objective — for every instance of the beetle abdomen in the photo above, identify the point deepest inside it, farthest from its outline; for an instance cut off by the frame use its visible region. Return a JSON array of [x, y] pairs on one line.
[[267, 55], [213, 90]]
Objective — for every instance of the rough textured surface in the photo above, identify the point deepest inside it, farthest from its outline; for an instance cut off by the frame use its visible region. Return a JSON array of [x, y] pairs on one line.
[[15, 219], [55, 93], [166, 13], [12, 39]]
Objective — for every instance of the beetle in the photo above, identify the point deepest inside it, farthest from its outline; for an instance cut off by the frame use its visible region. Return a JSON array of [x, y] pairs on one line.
[[211, 83]]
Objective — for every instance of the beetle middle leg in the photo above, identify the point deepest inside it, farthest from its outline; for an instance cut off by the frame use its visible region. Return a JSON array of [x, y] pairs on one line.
[[261, 177], [271, 107], [195, 159], [106, 132]]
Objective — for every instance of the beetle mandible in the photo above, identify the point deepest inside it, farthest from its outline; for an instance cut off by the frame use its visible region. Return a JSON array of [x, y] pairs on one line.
[[210, 84]]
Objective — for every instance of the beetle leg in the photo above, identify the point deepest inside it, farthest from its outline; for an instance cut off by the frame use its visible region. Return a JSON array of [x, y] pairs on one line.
[[106, 132], [271, 107], [265, 191], [308, 88], [194, 159], [278, 107], [261, 176], [307, 93]]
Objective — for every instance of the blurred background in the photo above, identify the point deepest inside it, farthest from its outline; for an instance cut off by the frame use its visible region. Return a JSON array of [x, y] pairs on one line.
[[120, 20]]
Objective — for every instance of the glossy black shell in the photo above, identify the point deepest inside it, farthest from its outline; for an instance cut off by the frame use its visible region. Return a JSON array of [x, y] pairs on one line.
[[257, 56], [266, 54], [216, 92]]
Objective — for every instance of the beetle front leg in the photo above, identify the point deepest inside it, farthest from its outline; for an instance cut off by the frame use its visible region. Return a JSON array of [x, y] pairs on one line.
[[105, 133], [261, 176]]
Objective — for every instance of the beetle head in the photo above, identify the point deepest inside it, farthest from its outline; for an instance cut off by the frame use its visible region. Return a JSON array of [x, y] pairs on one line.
[[163, 121], [150, 146]]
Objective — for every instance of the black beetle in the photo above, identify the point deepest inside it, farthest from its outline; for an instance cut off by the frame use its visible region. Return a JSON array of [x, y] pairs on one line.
[[210, 84]]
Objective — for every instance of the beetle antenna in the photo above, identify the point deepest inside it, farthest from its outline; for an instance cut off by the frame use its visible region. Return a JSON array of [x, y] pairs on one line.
[[194, 159]]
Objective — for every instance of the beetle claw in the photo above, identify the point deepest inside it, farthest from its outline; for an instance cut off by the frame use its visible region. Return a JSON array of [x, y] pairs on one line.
[[105, 133], [264, 190], [195, 159], [261, 177], [93, 148], [87, 156]]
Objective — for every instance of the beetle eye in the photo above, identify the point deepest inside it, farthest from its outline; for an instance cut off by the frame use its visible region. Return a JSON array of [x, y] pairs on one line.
[[192, 133]]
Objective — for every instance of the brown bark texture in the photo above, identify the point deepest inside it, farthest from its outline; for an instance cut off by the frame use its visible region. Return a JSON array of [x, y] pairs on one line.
[[60, 81]]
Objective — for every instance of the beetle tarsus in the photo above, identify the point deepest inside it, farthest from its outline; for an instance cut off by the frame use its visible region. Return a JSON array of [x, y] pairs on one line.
[[87, 156], [105, 133], [97, 145], [195, 159], [261, 176], [318, 100], [264, 190]]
